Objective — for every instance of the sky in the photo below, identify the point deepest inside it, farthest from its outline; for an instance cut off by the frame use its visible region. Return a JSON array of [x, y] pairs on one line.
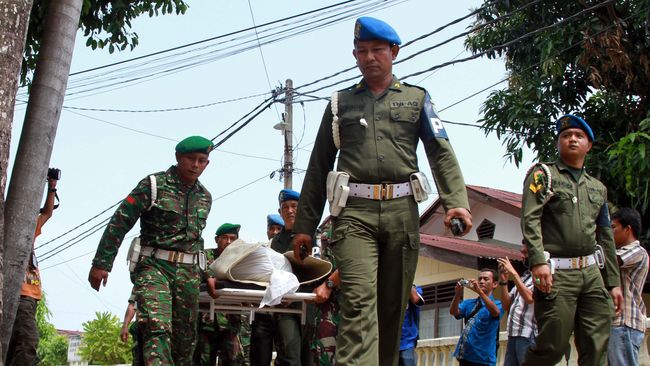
[[103, 154]]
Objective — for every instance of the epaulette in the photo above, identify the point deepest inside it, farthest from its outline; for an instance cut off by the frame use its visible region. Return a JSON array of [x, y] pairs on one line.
[[414, 86], [536, 185]]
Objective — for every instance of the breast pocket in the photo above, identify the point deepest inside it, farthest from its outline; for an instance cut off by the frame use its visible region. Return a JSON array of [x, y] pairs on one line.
[[167, 215], [352, 130], [404, 123], [561, 203]]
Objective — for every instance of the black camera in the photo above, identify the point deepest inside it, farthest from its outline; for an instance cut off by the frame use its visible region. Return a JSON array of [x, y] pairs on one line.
[[457, 226], [54, 173]]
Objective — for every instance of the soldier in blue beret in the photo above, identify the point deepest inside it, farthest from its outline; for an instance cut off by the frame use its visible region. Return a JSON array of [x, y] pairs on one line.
[[283, 329], [375, 127], [573, 121], [274, 225], [567, 230]]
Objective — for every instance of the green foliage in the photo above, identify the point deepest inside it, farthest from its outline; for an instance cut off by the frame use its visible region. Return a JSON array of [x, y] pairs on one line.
[[101, 344], [52, 347], [105, 23], [596, 65]]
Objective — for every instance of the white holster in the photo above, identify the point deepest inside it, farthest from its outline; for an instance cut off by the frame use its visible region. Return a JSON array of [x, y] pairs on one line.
[[337, 191], [420, 187], [133, 256]]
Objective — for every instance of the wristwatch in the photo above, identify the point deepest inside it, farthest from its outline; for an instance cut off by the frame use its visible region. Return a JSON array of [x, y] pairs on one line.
[[503, 283], [330, 284]]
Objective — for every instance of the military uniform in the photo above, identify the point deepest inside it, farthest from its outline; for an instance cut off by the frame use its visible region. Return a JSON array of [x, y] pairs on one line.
[[376, 242], [227, 336], [568, 226], [166, 292], [327, 319]]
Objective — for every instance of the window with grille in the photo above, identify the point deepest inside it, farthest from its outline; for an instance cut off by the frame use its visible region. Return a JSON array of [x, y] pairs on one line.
[[435, 320], [485, 230]]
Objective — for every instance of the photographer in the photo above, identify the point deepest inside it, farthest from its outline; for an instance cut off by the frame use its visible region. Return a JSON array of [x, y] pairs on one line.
[[477, 343], [24, 339]]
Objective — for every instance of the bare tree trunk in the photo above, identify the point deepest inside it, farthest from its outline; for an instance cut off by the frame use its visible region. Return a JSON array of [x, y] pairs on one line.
[[14, 17], [35, 148]]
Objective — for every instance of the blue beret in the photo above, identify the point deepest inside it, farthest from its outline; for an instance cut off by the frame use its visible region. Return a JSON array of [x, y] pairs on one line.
[[288, 195], [274, 219], [228, 228], [572, 121], [367, 29], [194, 144]]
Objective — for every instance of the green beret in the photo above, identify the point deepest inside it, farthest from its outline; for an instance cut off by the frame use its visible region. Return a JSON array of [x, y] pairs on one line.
[[228, 228], [194, 144]]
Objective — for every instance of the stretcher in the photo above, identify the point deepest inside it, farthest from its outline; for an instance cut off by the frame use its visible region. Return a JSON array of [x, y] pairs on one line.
[[233, 299]]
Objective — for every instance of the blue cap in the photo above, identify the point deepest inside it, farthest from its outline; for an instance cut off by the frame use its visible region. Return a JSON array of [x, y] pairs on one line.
[[274, 219], [288, 195], [572, 121], [367, 29]]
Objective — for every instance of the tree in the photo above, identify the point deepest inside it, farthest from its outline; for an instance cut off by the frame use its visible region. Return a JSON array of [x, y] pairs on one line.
[[52, 347], [104, 22], [585, 57], [101, 342], [14, 17]]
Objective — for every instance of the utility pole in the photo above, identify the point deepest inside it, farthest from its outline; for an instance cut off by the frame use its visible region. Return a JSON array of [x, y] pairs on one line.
[[287, 169]]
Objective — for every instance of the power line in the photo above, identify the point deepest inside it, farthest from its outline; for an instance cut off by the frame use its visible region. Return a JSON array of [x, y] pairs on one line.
[[78, 226], [165, 109], [259, 47], [510, 43], [156, 69]]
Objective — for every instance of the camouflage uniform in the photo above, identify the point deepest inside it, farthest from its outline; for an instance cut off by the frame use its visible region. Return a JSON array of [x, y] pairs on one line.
[[166, 293], [229, 339], [323, 344]]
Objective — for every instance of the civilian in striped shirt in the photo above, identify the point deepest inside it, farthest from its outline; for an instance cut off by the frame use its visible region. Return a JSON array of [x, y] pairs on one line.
[[521, 326], [628, 328]]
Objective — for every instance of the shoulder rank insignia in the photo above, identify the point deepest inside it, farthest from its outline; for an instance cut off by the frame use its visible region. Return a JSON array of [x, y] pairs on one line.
[[538, 180]]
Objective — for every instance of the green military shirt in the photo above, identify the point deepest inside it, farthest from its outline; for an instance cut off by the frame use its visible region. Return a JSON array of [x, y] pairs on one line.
[[379, 136], [571, 222], [175, 223]]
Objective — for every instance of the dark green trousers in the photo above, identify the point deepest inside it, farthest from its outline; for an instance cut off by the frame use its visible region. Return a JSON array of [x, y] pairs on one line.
[[578, 303], [375, 244]]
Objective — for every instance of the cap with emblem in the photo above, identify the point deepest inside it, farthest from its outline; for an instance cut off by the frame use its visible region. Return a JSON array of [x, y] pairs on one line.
[[573, 121], [228, 228], [194, 144], [367, 29], [274, 219], [288, 195]]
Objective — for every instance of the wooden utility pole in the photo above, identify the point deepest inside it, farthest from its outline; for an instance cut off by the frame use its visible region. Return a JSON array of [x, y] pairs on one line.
[[287, 169], [35, 148]]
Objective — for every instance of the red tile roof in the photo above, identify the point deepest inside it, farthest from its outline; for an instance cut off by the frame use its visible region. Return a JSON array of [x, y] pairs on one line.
[[469, 247], [513, 199]]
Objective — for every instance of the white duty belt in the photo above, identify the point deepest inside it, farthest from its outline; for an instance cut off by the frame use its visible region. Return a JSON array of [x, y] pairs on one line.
[[574, 263], [169, 255], [380, 192]]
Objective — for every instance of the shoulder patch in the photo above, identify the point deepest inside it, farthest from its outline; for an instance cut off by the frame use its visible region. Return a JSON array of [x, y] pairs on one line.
[[130, 200]]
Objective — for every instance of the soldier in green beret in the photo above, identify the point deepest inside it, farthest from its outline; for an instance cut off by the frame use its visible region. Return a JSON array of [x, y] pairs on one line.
[[228, 336], [173, 207], [375, 127]]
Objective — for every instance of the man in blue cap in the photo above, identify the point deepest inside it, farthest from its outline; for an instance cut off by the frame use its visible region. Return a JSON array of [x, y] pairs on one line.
[[172, 207], [274, 225], [283, 329], [566, 228], [375, 127]]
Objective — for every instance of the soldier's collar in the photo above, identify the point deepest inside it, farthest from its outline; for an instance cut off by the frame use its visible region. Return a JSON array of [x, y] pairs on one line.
[[562, 166], [395, 85]]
